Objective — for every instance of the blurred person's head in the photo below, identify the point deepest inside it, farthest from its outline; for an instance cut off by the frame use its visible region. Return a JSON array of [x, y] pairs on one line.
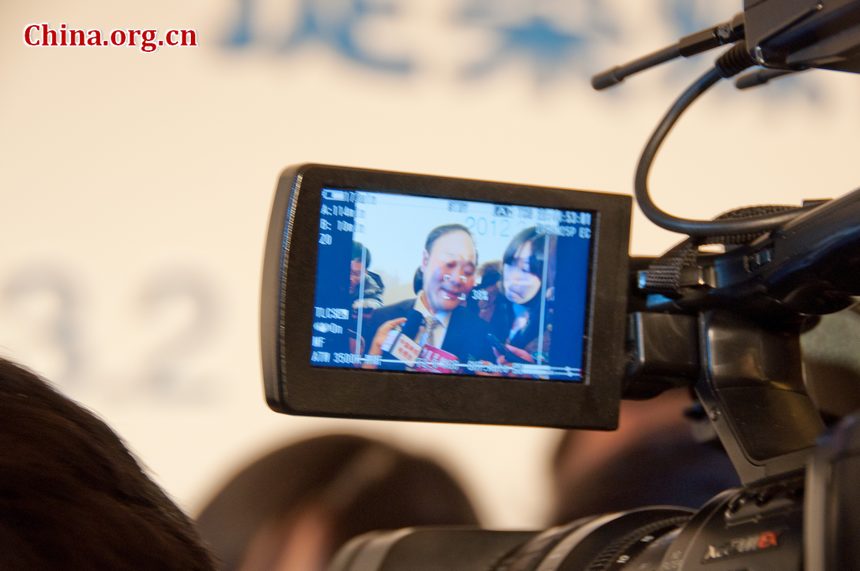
[[292, 509], [652, 459], [448, 266], [490, 274], [71, 494], [523, 266]]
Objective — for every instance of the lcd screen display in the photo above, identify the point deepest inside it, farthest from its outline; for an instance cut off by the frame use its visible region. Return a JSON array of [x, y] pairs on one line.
[[456, 287]]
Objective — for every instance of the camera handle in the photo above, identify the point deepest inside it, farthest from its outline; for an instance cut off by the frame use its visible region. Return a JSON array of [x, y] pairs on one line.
[[751, 386], [749, 379], [731, 329]]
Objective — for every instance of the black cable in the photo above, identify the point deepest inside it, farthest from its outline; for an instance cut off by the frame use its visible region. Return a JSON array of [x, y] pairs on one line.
[[696, 228]]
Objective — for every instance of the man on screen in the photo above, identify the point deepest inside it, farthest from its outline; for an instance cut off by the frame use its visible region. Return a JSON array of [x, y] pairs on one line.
[[365, 287], [446, 330]]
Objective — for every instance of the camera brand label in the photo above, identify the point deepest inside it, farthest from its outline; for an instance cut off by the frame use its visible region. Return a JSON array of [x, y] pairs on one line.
[[741, 545]]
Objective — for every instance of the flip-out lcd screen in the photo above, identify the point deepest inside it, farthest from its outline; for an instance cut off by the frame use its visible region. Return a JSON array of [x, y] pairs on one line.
[[400, 296], [459, 287]]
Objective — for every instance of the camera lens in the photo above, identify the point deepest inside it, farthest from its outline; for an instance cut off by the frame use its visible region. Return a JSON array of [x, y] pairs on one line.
[[631, 540], [428, 549], [635, 540]]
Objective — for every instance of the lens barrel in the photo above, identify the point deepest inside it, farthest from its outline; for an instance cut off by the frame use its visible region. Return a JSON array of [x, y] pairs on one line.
[[757, 528], [594, 543]]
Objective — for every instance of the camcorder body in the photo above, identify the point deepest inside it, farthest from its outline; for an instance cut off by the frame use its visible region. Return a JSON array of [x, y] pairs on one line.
[[413, 297]]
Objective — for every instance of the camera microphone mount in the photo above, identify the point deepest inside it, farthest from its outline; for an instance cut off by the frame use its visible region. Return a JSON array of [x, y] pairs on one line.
[[783, 35], [729, 324]]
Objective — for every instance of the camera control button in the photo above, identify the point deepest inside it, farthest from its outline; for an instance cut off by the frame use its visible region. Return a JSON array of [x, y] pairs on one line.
[[737, 503]]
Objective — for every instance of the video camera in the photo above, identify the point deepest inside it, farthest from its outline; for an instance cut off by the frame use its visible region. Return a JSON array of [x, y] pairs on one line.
[[400, 296]]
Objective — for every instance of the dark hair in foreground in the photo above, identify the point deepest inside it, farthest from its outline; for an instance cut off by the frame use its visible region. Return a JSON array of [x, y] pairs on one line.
[[355, 484], [71, 494]]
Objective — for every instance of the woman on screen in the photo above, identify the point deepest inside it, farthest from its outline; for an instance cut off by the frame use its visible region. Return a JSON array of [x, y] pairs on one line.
[[521, 318]]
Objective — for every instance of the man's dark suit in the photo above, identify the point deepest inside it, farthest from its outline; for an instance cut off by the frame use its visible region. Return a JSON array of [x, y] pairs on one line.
[[466, 336]]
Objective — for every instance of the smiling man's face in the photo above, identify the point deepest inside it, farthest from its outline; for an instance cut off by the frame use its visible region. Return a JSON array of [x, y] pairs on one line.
[[449, 271]]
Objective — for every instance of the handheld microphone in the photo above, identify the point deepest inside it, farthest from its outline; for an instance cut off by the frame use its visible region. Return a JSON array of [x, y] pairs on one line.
[[400, 342], [414, 321]]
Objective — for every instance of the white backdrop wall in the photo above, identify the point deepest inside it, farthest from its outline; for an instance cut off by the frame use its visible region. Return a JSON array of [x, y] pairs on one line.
[[135, 187]]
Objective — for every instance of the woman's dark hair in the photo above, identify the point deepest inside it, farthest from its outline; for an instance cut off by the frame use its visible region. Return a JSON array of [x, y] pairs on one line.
[[71, 494], [357, 249], [538, 241], [360, 484], [503, 316]]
